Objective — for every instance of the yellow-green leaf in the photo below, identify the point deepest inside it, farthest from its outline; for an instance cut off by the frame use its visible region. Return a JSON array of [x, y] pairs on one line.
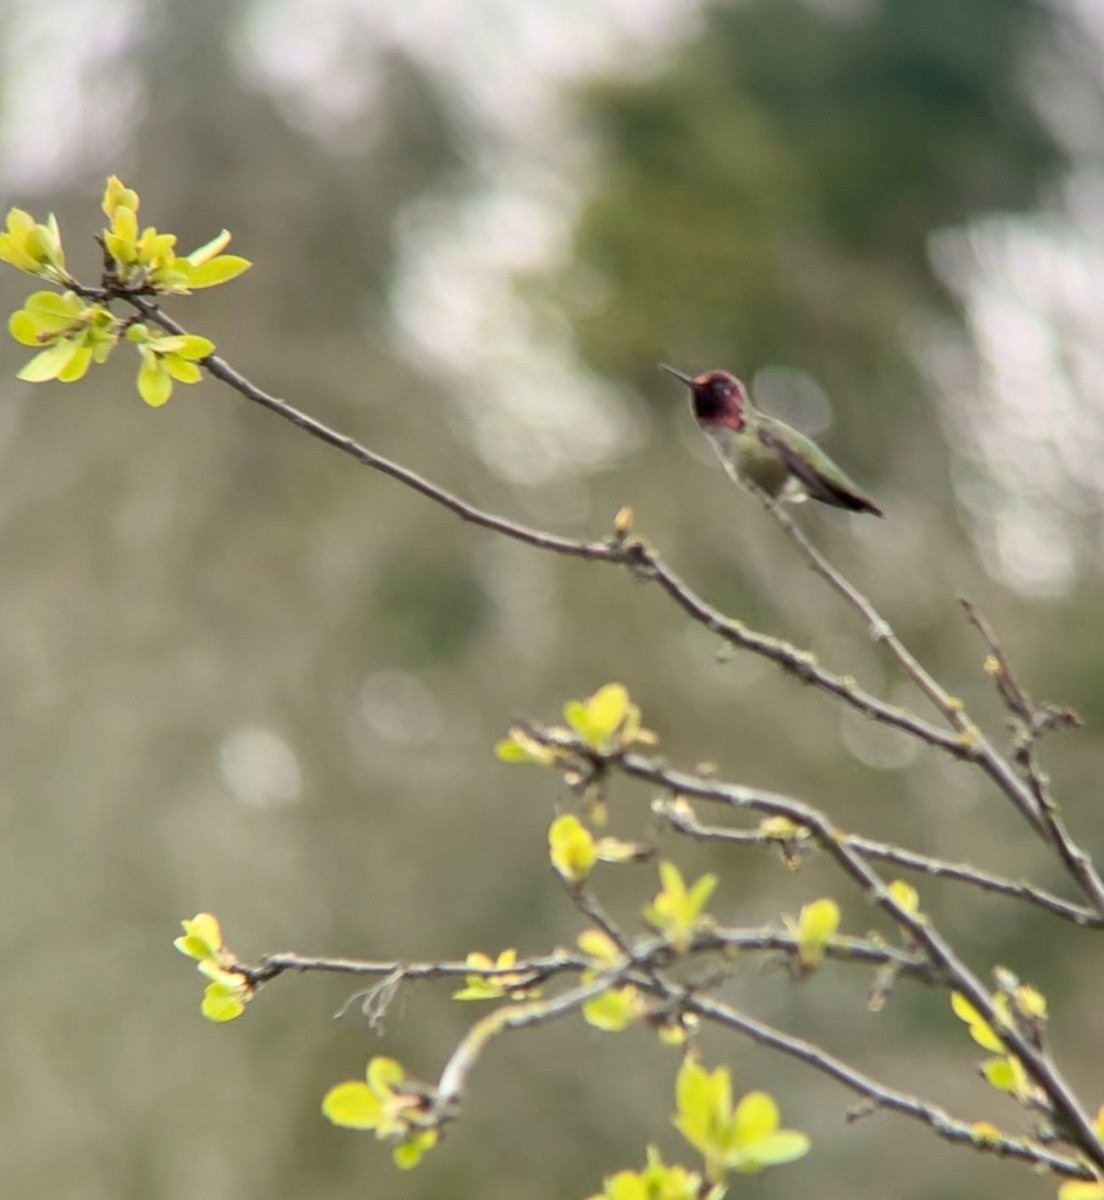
[[625, 1185], [607, 708], [520, 747], [49, 363], [985, 1133], [116, 193], [23, 328], [509, 751], [614, 850], [704, 1102], [1081, 1189], [202, 937], [672, 1182], [209, 249], [78, 364], [756, 1118], [676, 911], [633, 733], [598, 945], [181, 369], [54, 310], [1031, 1002], [491, 987], [155, 250], [905, 895], [816, 926], [122, 251], [352, 1105], [13, 243], [701, 892], [572, 848], [613, 1011], [410, 1152], [1001, 1073], [979, 1028], [221, 1003], [124, 227], [33, 248], [44, 244], [154, 382], [384, 1073], [598, 718], [781, 1147], [656, 1181], [218, 270], [193, 346], [575, 715], [781, 828]]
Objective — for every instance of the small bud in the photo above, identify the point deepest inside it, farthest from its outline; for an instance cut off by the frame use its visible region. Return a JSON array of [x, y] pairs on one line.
[[623, 522]]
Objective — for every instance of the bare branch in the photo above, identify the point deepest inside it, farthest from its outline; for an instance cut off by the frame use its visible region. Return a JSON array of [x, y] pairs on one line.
[[858, 951], [878, 1094], [454, 1077], [682, 821], [530, 970], [1030, 721], [1032, 803], [1068, 1112], [1037, 718], [620, 550]]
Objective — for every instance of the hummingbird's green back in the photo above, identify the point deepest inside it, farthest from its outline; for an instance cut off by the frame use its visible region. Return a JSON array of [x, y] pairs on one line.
[[777, 459], [805, 461]]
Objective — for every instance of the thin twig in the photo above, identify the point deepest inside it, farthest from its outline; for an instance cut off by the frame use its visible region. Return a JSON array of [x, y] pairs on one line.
[[874, 851], [591, 908], [1037, 718], [528, 971], [1032, 806], [1030, 721], [864, 952], [881, 631], [453, 1080]]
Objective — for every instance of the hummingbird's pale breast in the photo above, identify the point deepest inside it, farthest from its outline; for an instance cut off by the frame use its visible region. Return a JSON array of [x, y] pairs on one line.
[[748, 460]]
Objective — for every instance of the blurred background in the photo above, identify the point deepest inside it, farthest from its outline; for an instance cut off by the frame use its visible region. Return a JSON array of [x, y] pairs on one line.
[[239, 673]]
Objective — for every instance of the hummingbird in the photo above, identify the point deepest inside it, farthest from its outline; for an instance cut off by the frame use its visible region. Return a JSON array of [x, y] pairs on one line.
[[763, 451]]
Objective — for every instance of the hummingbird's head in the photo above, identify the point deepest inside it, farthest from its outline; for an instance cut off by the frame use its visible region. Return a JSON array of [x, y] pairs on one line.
[[716, 397]]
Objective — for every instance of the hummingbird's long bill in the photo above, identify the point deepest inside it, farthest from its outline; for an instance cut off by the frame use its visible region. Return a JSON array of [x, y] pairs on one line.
[[687, 379]]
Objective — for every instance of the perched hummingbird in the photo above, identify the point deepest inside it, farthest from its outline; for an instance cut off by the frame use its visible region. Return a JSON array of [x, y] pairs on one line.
[[764, 451]]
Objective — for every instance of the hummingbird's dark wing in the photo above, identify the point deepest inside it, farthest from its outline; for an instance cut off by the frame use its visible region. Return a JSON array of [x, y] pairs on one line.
[[820, 476]]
